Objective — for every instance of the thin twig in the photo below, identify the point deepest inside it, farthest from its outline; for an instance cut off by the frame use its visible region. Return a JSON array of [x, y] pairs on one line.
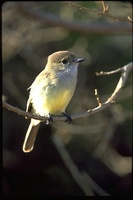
[[99, 13], [109, 73], [97, 97], [105, 8], [124, 75]]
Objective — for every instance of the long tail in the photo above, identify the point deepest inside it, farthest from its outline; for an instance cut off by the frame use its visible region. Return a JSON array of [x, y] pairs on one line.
[[30, 136]]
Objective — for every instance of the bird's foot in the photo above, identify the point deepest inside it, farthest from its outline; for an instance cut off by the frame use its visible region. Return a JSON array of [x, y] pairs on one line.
[[49, 119], [68, 118]]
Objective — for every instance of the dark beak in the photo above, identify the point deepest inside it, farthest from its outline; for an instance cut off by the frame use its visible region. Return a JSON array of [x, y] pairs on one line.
[[79, 60]]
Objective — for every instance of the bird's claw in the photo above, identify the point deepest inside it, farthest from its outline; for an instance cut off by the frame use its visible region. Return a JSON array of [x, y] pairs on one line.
[[68, 118], [49, 120]]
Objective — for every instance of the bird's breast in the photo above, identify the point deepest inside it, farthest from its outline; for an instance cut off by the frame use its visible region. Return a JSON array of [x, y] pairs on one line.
[[55, 96]]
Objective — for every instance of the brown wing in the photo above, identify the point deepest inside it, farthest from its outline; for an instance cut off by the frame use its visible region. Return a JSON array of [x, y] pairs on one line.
[[37, 81]]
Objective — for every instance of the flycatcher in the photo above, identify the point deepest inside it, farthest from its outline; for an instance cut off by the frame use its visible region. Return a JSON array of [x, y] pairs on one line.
[[51, 91]]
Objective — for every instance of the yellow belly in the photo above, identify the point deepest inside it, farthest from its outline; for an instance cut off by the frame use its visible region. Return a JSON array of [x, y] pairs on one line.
[[58, 102], [54, 98]]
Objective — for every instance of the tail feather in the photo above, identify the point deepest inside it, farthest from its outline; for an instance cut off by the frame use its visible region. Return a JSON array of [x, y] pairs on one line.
[[30, 137]]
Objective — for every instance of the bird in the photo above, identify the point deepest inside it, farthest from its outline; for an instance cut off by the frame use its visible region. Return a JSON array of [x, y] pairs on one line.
[[51, 92]]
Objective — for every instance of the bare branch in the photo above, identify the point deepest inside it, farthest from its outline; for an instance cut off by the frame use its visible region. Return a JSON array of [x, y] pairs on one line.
[[124, 75], [112, 72], [128, 19], [82, 27], [22, 112]]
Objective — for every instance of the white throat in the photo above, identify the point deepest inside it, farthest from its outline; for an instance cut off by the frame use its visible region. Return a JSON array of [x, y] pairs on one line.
[[73, 70]]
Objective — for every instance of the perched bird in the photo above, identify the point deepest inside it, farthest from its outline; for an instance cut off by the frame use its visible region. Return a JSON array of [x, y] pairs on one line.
[[51, 92]]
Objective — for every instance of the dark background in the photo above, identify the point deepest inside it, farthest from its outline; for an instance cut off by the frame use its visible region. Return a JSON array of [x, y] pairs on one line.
[[99, 145]]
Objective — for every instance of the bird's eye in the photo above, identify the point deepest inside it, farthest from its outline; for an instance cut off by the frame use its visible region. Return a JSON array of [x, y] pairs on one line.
[[64, 61]]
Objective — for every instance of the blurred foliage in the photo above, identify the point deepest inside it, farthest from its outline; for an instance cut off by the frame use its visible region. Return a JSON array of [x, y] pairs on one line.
[[100, 145]]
